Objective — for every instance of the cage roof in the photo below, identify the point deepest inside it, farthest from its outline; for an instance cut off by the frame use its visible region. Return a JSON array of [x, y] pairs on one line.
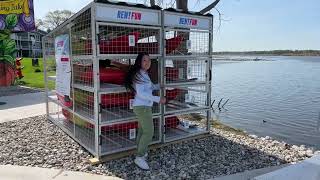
[[121, 3], [188, 12]]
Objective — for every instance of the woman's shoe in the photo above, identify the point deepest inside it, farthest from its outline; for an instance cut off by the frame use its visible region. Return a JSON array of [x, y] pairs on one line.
[[145, 156], [141, 163]]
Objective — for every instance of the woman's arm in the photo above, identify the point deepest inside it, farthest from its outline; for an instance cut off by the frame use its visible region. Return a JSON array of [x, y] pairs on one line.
[[155, 86], [140, 92]]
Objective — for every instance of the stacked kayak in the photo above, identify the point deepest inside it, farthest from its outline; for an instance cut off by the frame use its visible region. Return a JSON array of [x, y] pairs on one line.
[[121, 45], [112, 75]]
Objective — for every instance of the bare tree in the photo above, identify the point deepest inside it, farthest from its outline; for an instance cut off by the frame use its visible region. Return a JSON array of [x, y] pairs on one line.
[[53, 19], [209, 7]]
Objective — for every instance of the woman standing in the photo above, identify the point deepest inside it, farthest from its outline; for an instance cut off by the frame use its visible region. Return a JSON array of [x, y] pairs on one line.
[[138, 82]]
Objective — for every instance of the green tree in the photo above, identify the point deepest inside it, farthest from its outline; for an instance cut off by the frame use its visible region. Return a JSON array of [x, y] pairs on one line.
[[53, 19]]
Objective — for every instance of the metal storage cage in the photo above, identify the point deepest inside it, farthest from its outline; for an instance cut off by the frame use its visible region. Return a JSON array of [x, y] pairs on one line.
[[104, 39], [187, 57]]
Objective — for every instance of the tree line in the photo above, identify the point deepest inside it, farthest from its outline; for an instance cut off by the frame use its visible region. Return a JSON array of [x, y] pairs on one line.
[[272, 53]]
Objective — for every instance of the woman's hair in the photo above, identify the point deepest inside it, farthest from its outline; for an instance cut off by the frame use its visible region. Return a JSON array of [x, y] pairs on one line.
[[133, 74]]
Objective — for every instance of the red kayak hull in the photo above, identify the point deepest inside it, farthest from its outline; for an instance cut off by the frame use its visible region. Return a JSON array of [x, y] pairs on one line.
[[120, 45], [171, 122]]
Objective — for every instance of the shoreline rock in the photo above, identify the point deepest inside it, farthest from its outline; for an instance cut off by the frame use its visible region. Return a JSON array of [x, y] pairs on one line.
[[37, 142]]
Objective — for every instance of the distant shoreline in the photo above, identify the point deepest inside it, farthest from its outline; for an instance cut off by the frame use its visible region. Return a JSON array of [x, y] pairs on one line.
[[239, 58], [272, 53]]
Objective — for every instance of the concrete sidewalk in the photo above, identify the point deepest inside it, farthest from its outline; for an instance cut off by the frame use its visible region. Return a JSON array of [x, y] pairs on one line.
[[250, 174], [8, 172], [22, 106], [308, 169]]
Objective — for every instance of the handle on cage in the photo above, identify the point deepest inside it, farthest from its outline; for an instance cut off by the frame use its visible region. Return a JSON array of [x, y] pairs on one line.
[[100, 108]]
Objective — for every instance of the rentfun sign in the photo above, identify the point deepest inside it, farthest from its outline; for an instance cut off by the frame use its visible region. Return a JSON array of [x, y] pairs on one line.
[[180, 20], [188, 21], [132, 15]]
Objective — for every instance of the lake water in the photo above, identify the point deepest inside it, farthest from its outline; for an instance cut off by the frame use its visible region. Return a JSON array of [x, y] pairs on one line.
[[279, 98]]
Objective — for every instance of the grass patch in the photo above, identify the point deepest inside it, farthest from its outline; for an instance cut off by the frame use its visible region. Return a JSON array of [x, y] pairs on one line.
[[218, 125], [31, 77]]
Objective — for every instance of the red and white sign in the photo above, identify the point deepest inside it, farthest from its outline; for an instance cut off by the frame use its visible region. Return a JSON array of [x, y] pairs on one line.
[[186, 21], [63, 68], [128, 15]]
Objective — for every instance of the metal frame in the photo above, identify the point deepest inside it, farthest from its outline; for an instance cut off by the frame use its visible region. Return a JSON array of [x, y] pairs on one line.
[[185, 85], [98, 90]]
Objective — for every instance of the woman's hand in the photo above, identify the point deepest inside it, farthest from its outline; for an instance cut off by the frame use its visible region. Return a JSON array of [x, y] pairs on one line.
[[163, 100]]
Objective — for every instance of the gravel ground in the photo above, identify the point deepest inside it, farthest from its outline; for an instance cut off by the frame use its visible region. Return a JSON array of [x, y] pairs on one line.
[[15, 90], [37, 142]]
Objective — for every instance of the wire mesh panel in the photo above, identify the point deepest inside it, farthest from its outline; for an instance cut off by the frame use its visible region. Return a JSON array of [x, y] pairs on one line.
[[185, 71], [61, 116], [82, 72], [84, 103], [49, 53], [185, 125], [186, 42], [123, 136], [85, 133], [50, 61], [81, 34], [185, 98], [123, 39]]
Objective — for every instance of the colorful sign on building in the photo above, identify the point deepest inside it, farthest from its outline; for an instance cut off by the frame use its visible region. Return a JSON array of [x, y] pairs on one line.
[[17, 15]]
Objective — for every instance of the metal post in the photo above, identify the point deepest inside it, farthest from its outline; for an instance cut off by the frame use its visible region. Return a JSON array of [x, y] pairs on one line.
[[45, 77], [96, 82], [72, 78], [162, 78], [209, 78]]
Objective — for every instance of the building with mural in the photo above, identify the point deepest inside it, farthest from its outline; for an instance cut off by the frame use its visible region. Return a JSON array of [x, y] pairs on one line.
[[29, 44]]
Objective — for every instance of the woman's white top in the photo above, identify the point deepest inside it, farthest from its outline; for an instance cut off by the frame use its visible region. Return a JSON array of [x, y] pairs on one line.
[[144, 89]]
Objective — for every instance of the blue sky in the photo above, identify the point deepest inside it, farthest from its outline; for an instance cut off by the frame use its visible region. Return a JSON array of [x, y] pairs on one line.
[[252, 25]]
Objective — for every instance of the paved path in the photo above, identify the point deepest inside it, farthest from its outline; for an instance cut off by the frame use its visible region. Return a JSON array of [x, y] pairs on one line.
[[8, 172], [306, 170], [250, 174], [22, 106]]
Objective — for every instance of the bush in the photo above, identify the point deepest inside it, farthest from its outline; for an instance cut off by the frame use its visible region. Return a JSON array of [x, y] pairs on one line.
[[37, 70]]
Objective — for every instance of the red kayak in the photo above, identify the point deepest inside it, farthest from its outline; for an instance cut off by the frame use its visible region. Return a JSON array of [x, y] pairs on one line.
[[62, 100], [120, 45], [152, 48], [122, 99], [107, 75], [117, 99], [116, 76], [171, 122]]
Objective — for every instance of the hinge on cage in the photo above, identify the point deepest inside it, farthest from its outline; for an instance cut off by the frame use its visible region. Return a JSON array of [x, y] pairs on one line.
[[210, 75], [98, 39], [100, 140]]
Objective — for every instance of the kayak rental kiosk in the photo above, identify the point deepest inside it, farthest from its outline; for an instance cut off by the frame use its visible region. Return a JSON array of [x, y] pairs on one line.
[[90, 54]]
